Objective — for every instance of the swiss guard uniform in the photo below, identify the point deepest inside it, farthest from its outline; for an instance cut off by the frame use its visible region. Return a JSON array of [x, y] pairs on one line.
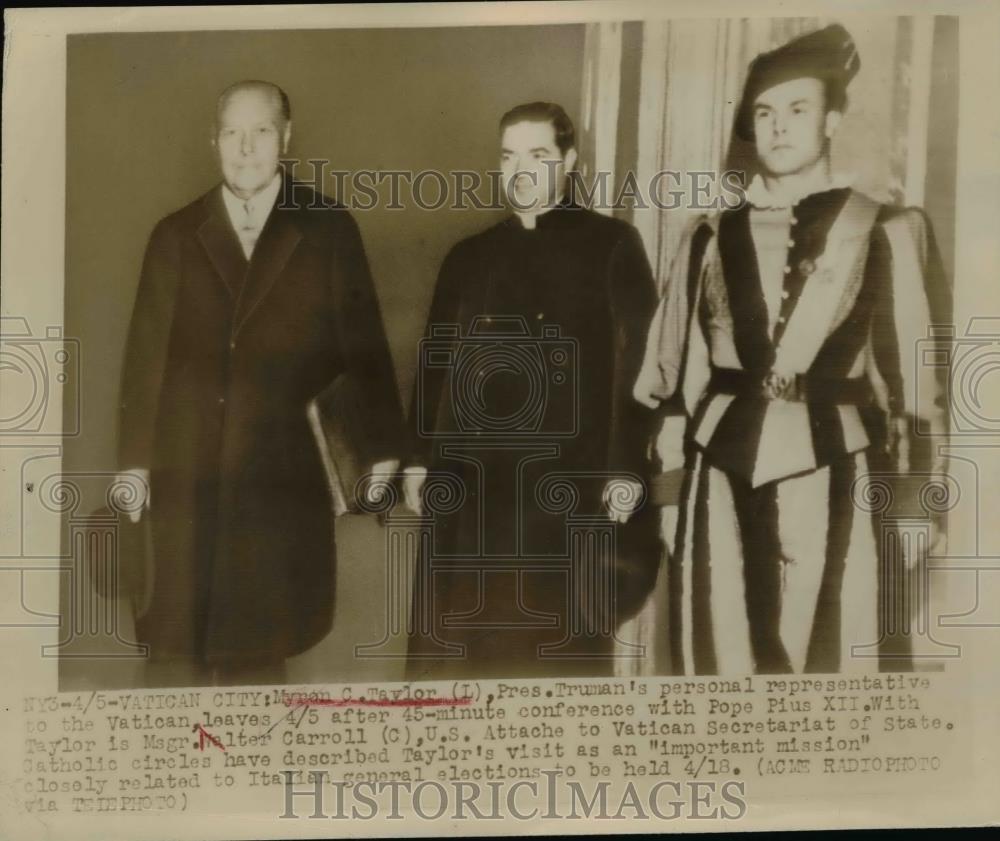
[[785, 328]]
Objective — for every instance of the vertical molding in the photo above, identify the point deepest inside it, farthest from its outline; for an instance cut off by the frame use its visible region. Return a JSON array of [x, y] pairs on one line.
[[920, 68], [942, 139], [602, 88], [609, 81], [652, 113], [693, 123]]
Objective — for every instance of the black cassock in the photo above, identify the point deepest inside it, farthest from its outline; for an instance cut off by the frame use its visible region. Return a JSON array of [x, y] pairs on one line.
[[523, 411]]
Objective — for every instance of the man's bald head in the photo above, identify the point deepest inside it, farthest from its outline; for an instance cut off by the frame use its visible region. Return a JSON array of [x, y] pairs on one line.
[[267, 90], [252, 130]]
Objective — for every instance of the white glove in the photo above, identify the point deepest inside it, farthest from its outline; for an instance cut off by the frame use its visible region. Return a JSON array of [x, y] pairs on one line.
[[621, 496], [382, 474], [413, 486], [135, 480]]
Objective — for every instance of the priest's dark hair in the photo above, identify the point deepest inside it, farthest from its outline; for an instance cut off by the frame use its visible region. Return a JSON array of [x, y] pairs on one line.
[[543, 112]]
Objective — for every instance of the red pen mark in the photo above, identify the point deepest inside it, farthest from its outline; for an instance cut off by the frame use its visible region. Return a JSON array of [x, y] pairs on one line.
[[205, 736], [292, 701]]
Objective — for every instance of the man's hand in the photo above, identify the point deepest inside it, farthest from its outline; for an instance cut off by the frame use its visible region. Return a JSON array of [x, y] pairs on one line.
[[937, 546], [897, 443], [413, 486], [132, 492], [621, 497], [381, 476]]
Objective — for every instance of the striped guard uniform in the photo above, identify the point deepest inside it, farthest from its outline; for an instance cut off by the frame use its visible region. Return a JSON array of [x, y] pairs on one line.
[[785, 349]]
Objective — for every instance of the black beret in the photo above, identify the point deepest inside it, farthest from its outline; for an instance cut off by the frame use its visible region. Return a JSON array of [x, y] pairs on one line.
[[828, 54]]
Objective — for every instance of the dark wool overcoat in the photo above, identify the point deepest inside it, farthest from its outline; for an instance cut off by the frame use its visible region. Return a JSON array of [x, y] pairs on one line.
[[223, 356]]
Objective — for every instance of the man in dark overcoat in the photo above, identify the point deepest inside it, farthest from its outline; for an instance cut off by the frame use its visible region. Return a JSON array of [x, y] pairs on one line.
[[529, 446], [252, 300]]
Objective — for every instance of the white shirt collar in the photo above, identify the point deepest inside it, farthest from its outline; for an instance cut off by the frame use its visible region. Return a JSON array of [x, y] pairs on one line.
[[760, 197], [260, 204], [535, 215]]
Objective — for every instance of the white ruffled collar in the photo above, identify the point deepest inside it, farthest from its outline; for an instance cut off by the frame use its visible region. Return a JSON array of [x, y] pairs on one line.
[[760, 197]]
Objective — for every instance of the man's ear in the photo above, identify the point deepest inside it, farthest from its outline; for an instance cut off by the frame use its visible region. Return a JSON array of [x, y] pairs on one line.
[[832, 123], [286, 137], [570, 158]]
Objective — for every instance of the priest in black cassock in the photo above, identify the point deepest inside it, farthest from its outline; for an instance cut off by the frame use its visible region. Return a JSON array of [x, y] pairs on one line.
[[530, 456]]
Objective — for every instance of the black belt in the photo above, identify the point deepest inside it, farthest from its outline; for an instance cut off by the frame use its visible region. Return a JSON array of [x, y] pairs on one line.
[[802, 388]]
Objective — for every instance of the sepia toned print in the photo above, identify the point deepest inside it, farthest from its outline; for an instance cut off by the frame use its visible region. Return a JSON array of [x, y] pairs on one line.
[[508, 416]]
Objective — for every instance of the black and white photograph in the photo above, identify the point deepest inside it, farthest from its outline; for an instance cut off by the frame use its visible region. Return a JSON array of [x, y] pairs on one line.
[[455, 396], [655, 341]]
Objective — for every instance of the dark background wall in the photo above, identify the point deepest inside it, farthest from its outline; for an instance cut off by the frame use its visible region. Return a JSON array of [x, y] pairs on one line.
[[139, 110]]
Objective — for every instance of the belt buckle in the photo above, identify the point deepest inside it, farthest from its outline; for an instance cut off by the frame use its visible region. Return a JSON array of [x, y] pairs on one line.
[[777, 386]]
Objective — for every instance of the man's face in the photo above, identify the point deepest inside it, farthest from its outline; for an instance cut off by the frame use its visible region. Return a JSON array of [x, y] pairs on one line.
[[791, 126], [251, 137], [532, 166]]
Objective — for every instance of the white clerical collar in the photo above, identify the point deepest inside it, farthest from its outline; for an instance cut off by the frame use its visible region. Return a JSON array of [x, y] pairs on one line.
[[545, 210], [259, 204], [764, 199]]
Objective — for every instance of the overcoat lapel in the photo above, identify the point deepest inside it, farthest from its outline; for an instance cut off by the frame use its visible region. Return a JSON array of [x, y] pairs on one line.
[[248, 282], [278, 240], [221, 243]]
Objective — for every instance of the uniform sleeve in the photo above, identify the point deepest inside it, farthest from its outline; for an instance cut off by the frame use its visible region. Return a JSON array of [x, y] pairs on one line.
[[675, 362], [367, 357], [633, 301], [429, 384], [914, 299], [146, 348]]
